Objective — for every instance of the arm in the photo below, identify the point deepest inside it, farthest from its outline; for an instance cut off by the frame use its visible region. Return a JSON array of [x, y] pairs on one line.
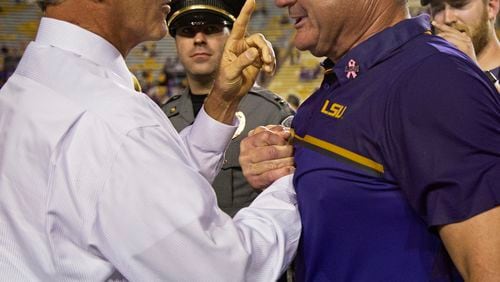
[[266, 155], [474, 246], [452, 164], [157, 217]]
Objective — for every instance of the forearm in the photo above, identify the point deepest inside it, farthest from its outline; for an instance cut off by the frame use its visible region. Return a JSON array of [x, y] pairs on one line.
[[474, 246], [174, 222], [221, 109]]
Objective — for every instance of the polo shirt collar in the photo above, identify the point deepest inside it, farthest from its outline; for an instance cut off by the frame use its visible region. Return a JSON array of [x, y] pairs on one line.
[[377, 48], [72, 38]]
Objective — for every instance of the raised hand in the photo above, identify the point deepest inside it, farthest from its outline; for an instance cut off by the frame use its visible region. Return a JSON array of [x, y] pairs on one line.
[[243, 58], [457, 35]]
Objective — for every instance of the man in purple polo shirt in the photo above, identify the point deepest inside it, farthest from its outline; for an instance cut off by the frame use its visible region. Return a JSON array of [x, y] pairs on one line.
[[397, 153]]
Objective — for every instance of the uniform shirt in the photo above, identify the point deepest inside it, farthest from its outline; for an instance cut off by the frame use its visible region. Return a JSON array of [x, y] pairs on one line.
[[96, 184], [258, 107], [402, 136]]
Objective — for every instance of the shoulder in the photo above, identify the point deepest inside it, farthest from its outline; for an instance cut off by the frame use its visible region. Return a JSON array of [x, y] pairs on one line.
[[432, 64], [444, 70], [259, 95], [172, 106], [173, 99], [444, 88], [176, 99], [425, 54]]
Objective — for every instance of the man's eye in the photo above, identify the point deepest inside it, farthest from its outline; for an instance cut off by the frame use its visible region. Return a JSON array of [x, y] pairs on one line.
[[211, 29], [187, 30], [459, 4], [437, 6], [436, 9]]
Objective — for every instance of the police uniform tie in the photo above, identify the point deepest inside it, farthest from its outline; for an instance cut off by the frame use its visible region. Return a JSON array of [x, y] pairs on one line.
[[137, 85]]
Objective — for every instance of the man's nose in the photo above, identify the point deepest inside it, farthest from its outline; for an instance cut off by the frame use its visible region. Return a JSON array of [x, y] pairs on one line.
[[200, 38], [284, 3], [449, 15]]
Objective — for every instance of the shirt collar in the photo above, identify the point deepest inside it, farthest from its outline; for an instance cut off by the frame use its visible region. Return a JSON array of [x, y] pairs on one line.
[[377, 48], [86, 44]]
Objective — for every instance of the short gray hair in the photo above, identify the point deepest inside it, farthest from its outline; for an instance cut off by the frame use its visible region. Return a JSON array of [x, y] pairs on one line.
[[44, 3]]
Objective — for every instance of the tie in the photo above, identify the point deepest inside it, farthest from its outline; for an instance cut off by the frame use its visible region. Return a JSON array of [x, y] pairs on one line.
[[137, 85]]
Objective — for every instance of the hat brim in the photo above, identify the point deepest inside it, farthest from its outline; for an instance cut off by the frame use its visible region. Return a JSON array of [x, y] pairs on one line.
[[200, 9], [197, 18]]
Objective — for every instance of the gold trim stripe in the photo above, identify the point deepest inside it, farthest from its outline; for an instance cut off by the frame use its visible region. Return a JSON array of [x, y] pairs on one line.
[[341, 152], [199, 7]]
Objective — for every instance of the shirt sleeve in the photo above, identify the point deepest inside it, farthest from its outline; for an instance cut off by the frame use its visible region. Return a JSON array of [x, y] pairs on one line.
[[157, 220], [206, 140], [444, 144]]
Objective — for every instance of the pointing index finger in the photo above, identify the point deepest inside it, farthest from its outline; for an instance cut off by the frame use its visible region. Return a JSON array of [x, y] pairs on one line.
[[241, 23]]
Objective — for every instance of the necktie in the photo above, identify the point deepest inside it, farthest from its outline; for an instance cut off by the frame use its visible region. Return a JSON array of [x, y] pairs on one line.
[[137, 85]]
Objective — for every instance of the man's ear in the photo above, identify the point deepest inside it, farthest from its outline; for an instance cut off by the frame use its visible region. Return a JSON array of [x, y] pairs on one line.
[[493, 8]]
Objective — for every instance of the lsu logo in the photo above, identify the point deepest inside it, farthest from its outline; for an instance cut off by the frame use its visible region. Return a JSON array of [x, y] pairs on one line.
[[334, 110]]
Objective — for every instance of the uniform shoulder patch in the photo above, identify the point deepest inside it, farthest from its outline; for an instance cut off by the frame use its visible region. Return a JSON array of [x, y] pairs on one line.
[[272, 98], [173, 98]]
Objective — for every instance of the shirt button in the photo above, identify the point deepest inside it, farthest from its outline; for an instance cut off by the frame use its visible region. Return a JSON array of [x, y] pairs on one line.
[[225, 161]]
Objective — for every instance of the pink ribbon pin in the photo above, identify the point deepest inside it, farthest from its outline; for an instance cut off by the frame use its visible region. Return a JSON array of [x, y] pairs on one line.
[[352, 69]]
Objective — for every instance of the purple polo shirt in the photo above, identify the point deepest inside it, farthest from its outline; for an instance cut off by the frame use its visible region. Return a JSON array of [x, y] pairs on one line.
[[402, 136]]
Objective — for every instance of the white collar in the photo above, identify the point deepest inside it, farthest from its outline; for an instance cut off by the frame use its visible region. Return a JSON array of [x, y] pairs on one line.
[[72, 38]]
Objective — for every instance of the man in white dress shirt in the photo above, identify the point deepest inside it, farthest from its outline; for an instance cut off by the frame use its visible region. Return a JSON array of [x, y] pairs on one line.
[[96, 184]]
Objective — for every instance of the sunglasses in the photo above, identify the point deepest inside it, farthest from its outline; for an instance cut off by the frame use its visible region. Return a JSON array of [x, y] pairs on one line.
[[207, 29]]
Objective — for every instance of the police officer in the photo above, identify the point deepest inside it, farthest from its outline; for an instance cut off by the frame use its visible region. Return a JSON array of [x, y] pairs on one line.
[[200, 29]]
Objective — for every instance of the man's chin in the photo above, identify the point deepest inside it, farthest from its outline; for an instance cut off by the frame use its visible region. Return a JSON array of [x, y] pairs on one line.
[[201, 73]]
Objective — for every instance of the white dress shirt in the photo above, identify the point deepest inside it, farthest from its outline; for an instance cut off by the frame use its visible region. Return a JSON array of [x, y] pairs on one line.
[[95, 183]]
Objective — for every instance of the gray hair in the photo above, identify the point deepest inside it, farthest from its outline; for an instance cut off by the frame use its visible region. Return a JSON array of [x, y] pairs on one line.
[[44, 3]]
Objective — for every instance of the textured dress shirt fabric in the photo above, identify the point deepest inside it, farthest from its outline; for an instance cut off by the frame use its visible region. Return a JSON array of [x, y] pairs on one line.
[[96, 184]]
